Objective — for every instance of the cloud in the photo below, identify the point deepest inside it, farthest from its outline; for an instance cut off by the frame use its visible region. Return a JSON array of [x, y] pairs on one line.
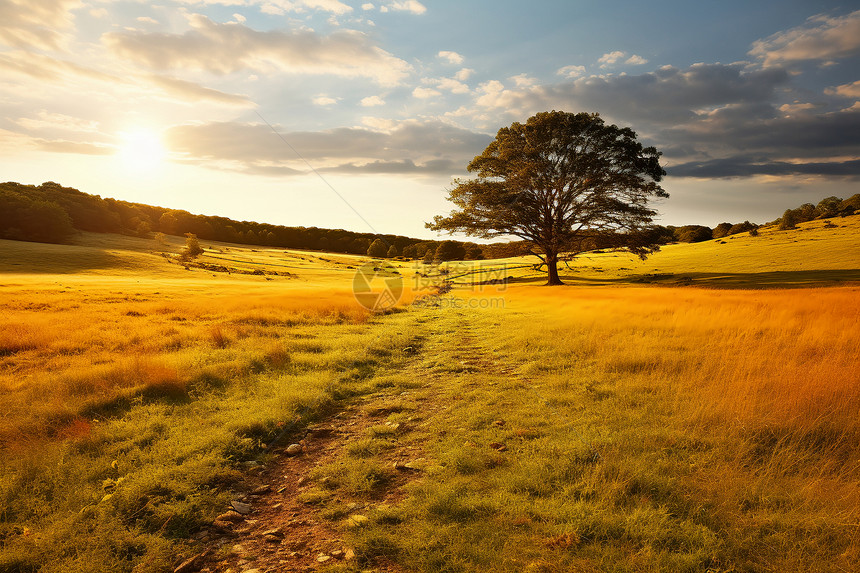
[[63, 146], [451, 85], [610, 58], [46, 68], [48, 121], [851, 90], [35, 24], [407, 146], [524, 81], [822, 38], [372, 101], [425, 93], [324, 100], [452, 57], [278, 7], [666, 95], [464, 74], [801, 143], [412, 6], [741, 166], [147, 20], [367, 6], [229, 47], [189, 92], [571, 71]]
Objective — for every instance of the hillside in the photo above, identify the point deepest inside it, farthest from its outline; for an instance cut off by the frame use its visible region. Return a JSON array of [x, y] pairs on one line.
[[499, 426]]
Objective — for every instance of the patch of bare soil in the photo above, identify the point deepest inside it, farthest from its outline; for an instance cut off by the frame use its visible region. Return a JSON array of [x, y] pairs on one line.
[[271, 529]]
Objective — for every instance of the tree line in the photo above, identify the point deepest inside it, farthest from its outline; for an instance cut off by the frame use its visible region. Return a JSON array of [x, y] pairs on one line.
[[52, 213], [825, 209]]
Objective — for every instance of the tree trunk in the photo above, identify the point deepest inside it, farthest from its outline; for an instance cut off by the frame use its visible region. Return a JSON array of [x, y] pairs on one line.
[[552, 270]]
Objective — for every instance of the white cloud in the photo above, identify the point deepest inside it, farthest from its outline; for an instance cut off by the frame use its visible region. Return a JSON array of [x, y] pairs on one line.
[[278, 7], [452, 57], [635, 60], [822, 38], [239, 18], [524, 81], [451, 85], [48, 121], [367, 6], [412, 6], [571, 71], [372, 101], [37, 24], [229, 47], [147, 20], [324, 100], [425, 93], [464, 74], [610, 58], [189, 92]]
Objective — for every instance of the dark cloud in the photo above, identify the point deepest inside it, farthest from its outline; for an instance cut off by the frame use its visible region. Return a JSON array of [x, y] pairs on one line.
[[745, 167], [666, 95]]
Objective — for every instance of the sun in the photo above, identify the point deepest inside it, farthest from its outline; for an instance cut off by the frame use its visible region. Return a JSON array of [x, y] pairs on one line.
[[141, 150]]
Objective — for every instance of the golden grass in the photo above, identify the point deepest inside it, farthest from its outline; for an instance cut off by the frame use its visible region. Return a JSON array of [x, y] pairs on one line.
[[749, 358], [64, 352]]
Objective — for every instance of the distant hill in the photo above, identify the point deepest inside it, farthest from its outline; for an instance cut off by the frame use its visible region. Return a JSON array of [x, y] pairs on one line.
[[51, 213]]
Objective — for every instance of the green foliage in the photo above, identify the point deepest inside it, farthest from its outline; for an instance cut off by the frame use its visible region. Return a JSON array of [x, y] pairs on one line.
[[26, 217], [377, 249], [557, 181], [788, 221], [693, 233], [50, 212], [721, 230], [192, 248], [449, 251]]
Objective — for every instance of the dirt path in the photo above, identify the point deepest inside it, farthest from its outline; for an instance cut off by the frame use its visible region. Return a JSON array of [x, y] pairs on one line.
[[280, 528], [284, 529]]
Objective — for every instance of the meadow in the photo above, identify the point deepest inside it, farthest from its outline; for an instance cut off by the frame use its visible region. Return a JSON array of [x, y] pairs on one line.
[[677, 414]]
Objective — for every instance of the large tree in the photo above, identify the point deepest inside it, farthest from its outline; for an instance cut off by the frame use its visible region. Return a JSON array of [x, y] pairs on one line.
[[561, 181]]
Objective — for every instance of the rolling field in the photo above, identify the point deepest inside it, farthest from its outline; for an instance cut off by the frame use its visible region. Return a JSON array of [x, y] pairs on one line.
[[625, 423]]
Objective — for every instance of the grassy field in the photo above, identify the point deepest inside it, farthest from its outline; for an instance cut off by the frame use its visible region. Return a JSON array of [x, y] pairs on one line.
[[649, 427]]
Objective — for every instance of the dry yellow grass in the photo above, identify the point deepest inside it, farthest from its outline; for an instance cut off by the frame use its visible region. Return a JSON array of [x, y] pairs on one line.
[[66, 350], [754, 358]]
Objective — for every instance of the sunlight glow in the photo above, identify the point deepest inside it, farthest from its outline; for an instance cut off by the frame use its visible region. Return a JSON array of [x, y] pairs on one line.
[[141, 150]]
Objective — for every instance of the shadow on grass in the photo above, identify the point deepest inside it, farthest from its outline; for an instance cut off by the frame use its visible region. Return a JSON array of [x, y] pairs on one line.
[[763, 280], [38, 258]]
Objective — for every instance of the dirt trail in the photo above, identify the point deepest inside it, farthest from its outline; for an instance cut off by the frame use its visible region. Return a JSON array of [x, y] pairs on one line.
[[283, 533]]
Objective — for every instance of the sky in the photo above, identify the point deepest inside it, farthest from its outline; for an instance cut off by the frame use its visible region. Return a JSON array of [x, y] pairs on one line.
[[359, 115]]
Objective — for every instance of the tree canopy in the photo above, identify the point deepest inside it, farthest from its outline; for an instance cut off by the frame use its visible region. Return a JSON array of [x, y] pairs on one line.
[[560, 181]]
